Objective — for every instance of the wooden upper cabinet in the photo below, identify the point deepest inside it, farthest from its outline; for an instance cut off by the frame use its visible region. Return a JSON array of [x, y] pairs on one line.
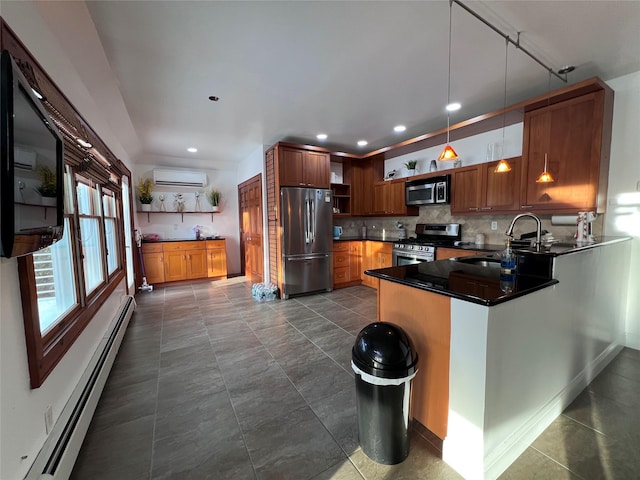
[[389, 199], [466, 186], [570, 134], [361, 191], [302, 168], [500, 192], [477, 189]]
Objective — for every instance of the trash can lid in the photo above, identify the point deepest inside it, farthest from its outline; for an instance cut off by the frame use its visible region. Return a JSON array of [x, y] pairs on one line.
[[384, 350]]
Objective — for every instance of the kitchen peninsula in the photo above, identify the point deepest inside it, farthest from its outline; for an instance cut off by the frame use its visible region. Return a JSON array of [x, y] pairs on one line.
[[496, 368]]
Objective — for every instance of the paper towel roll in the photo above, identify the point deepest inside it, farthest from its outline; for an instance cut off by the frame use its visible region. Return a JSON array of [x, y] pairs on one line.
[[564, 220]]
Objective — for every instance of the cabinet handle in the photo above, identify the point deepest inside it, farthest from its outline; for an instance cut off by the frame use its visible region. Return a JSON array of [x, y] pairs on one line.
[[486, 208], [473, 209], [526, 206]]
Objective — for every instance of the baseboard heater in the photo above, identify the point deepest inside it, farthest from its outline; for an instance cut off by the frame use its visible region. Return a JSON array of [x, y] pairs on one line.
[[56, 458]]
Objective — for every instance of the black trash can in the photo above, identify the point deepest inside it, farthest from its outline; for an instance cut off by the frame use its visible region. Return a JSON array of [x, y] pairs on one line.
[[384, 362]]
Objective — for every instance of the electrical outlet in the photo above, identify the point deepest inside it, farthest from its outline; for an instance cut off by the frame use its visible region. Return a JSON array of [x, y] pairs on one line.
[[48, 418], [494, 225]]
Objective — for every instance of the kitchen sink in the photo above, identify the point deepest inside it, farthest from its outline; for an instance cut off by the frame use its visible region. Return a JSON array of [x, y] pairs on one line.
[[481, 262]]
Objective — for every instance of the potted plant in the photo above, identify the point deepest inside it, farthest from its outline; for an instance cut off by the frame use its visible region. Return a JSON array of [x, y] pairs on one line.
[[48, 188], [214, 196], [144, 193], [411, 166]]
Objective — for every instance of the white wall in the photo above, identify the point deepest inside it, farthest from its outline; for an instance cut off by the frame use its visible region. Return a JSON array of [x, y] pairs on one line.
[[623, 210], [22, 427], [471, 151], [176, 226]]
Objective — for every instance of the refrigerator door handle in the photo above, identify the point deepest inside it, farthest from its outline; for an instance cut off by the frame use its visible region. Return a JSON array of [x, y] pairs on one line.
[[307, 227], [303, 259], [313, 220]]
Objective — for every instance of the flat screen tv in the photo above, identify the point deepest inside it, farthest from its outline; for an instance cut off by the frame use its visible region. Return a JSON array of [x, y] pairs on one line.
[[32, 166]]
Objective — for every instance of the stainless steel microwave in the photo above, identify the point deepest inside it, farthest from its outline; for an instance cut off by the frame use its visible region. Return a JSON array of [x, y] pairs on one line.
[[427, 191]]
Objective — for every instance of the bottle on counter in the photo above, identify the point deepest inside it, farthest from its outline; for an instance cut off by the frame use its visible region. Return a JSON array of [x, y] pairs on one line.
[[507, 268]]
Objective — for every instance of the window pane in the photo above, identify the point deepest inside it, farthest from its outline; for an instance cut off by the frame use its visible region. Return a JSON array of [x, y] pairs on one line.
[[112, 244], [68, 190], [55, 280], [92, 251]]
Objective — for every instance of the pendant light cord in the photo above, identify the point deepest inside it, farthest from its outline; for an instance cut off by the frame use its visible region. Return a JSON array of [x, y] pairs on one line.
[[504, 105], [449, 71]]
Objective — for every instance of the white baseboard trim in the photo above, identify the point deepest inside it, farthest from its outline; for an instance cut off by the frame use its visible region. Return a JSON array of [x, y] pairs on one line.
[[499, 459]]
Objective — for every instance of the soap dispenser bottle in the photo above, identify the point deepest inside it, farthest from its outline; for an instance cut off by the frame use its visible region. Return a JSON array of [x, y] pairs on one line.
[[507, 268]]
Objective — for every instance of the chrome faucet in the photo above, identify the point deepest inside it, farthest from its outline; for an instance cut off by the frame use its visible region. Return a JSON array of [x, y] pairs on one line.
[[509, 232]]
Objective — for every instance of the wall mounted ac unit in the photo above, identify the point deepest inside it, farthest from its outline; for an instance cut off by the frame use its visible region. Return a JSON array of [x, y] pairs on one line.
[[25, 159], [179, 178]]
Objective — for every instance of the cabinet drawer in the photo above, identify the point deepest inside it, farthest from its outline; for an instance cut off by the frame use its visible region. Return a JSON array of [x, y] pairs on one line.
[[341, 275], [179, 246], [340, 246], [340, 259], [152, 248], [215, 243]]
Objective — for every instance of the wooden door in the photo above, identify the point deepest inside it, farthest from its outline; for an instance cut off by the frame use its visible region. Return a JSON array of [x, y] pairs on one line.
[[465, 189], [251, 233], [316, 169]]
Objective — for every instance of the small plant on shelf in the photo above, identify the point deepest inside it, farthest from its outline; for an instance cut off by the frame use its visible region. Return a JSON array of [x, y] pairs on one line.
[[144, 191], [214, 196], [411, 166], [48, 182]]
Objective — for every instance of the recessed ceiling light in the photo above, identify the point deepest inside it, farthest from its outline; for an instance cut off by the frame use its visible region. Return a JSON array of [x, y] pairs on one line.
[[213, 98], [192, 149], [399, 128], [566, 69], [452, 107], [362, 143], [321, 136], [38, 95]]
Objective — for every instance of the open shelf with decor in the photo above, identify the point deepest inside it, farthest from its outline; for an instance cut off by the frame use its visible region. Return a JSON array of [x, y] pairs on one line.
[[341, 199]]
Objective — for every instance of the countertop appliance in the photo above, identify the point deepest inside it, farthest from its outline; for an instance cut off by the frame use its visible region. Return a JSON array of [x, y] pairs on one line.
[[422, 247], [307, 243], [428, 191]]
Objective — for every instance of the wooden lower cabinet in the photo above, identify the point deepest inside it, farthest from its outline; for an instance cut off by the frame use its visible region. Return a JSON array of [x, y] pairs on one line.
[[443, 253], [216, 258], [426, 318], [377, 255], [166, 262], [347, 268]]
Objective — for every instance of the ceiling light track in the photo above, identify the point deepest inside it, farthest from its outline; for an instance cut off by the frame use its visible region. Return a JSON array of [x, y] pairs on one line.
[[516, 43]]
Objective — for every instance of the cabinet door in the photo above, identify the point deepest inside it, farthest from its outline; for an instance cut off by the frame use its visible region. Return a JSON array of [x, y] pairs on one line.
[[570, 134], [196, 263], [316, 169], [380, 198], [361, 192], [175, 265], [501, 191], [154, 267], [465, 189], [217, 262], [355, 261], [290, 167], [396, 198], [385, 259], [340, 275]]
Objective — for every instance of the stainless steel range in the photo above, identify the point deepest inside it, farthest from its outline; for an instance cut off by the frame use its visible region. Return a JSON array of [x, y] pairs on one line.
[[422, 247]]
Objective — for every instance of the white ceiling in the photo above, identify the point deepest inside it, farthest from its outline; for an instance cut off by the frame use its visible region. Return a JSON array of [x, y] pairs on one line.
[[352, 70]]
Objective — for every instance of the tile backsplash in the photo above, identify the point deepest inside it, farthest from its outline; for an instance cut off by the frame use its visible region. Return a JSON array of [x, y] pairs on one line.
[[471, 225]]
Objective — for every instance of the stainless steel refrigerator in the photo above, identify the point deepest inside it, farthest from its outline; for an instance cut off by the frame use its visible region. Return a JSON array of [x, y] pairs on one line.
[[307, 241]]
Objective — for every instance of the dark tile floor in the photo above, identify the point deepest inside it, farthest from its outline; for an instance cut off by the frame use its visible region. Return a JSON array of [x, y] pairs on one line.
[[209, 383]]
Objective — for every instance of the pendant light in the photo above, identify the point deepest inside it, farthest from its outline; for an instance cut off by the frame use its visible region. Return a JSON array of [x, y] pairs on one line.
[[545, 176], [448, 153], [503, 166]]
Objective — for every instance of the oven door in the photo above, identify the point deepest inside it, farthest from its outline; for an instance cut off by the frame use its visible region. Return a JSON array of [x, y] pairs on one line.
[[402, 257]]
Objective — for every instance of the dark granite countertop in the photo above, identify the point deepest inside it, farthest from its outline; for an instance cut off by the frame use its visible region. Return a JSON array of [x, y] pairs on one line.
[[472, 283]]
